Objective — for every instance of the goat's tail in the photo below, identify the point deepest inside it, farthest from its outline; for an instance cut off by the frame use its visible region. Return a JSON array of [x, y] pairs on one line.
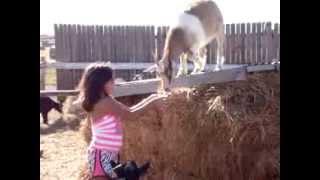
[[143, 169]]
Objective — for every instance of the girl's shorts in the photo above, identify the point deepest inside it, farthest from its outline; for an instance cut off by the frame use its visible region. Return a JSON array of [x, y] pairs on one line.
[[99, 162]]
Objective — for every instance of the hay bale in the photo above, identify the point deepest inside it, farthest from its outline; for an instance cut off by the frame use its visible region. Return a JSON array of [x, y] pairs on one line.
[[73, 114], [85, 130], [71, 108], [225, 131]]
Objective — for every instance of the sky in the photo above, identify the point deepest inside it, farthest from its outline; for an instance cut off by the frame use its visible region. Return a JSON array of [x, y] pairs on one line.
[[146, 12]]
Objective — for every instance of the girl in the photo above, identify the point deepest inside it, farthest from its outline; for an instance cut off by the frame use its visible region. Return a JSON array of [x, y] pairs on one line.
[[106, 115]]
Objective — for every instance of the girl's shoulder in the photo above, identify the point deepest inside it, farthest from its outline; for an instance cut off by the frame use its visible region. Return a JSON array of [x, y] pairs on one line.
[[102, 108], [106, 104], [109, 105]]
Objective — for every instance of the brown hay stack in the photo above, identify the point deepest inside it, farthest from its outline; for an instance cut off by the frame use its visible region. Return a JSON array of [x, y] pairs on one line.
[[223, 131], [70, 108]]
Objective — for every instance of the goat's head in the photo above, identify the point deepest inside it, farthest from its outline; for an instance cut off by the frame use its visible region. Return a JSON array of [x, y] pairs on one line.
[[164, 69], [175, 45], [58, 107], [129, 170]]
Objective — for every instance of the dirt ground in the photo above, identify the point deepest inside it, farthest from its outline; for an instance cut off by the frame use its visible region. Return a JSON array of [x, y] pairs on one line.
[[63, 152]]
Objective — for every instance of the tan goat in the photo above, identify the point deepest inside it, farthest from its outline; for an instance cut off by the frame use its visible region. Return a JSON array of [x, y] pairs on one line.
[[187, 38]]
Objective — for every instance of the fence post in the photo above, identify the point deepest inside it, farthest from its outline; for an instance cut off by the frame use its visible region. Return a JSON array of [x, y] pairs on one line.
[[42, 78]]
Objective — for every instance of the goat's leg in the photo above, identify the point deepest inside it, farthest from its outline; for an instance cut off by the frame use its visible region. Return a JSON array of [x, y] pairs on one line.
[[45, 117], [194, 57], [165, 74], [220, 51], [183, 68], [202, 58]]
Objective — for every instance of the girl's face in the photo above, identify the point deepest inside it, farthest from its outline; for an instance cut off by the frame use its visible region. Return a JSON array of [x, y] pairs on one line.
[[108, 87]]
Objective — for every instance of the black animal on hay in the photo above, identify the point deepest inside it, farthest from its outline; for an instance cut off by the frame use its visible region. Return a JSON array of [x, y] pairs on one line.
[[46, 105], [129, 170]]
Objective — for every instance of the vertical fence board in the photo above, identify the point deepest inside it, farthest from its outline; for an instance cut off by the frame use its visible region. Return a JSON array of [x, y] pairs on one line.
[[68, 57], [259, 27], [227, 42], [243, 43], [73, 58], [80, 51], [58, 46], [238, 43], [131, 41], [112, 36], [248, 44], [277, 41], [109, 43], [254, 44], [268, 43], [233, 35]]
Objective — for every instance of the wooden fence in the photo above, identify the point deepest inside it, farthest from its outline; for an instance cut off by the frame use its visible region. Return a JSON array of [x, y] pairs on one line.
[[246, 43]]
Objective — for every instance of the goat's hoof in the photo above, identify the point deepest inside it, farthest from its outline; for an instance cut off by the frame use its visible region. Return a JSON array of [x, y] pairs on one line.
[[181, 74], [201, 71], [218, 68]]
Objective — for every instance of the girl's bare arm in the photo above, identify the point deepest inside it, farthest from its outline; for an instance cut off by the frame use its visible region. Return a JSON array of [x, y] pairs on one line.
[[113, 106], [144, 102]]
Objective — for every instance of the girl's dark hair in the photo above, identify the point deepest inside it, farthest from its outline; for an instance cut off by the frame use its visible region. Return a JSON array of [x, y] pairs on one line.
[[92, 84]]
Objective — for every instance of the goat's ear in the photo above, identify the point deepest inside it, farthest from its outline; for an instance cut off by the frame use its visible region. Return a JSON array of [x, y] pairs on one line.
[[143, 169], [132, 164], [113, 164]]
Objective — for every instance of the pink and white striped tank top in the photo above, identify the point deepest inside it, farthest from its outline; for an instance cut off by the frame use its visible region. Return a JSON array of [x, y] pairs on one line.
[[107, 133]]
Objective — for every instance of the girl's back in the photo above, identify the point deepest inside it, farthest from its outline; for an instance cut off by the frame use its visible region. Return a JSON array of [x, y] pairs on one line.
[[107, 132]]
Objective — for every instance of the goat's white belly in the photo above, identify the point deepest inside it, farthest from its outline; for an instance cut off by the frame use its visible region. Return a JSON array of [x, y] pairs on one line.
[[193, 28]]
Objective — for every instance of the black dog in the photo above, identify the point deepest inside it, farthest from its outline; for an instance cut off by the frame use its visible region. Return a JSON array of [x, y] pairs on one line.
[[46, 105], [129, 170]]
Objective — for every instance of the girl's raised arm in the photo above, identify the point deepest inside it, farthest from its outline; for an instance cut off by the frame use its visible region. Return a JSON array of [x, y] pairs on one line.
[[111, 105]]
